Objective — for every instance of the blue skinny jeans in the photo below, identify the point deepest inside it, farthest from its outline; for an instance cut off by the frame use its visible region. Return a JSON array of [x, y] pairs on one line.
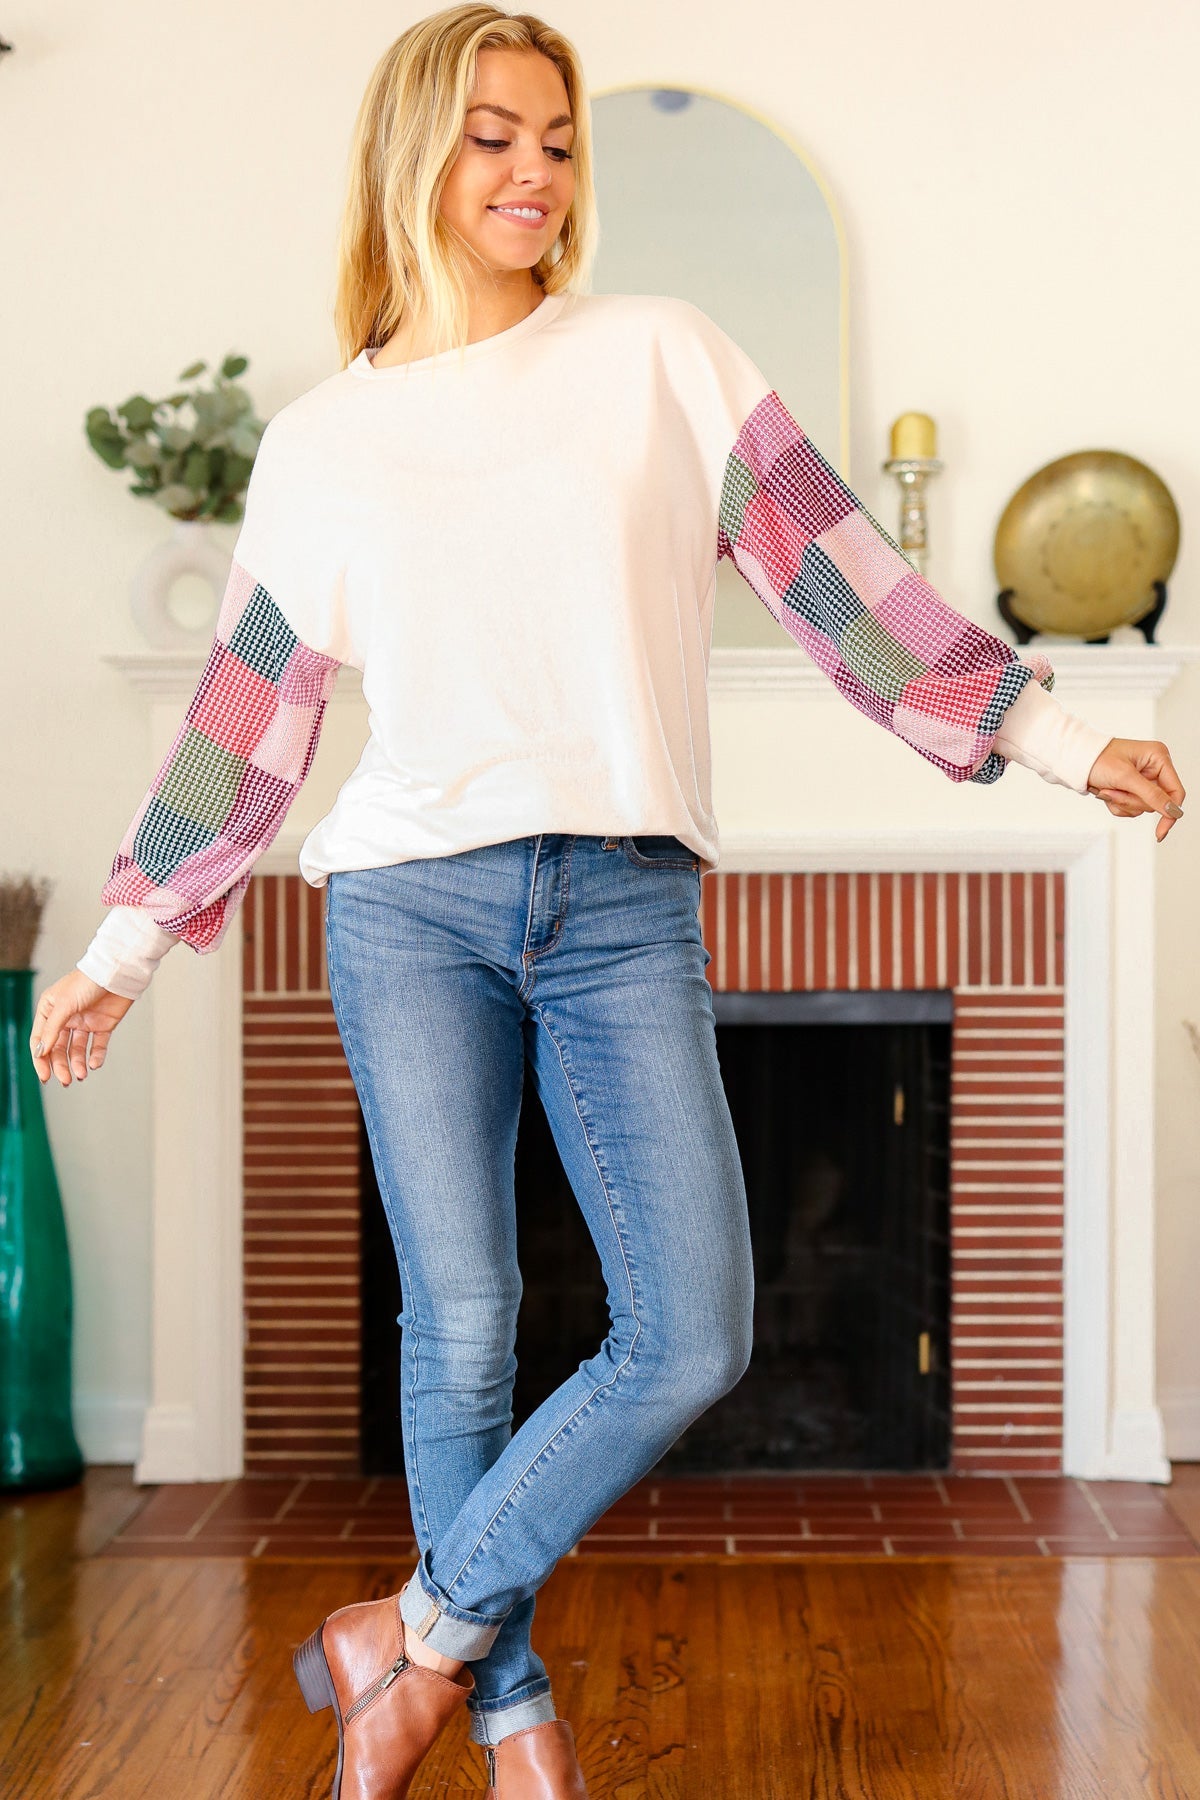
[[580, 958]]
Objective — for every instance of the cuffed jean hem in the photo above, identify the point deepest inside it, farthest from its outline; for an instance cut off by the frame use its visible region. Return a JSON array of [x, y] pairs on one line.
[[489, 1724], [463, 1636]]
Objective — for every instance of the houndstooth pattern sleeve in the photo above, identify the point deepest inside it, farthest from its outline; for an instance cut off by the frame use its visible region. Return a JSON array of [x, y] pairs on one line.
[[244, 747], [838, 584]]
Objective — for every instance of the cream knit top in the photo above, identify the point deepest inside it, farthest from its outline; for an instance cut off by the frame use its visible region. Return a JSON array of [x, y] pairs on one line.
[[518, 547]]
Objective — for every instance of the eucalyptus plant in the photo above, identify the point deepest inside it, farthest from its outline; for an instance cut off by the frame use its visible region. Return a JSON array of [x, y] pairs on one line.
[[191, 452]]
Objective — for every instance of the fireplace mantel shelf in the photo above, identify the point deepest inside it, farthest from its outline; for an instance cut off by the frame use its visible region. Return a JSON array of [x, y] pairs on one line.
[[1143, 669]]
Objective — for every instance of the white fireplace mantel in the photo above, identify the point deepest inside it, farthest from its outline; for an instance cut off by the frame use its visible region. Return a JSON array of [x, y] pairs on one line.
[[802, 782], [1143, 669]]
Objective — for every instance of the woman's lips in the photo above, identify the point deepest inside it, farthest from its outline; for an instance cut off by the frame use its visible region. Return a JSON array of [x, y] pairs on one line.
[[516, 219]]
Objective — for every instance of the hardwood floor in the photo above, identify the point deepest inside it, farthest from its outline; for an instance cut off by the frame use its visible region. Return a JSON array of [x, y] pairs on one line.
[[1038, 1678]]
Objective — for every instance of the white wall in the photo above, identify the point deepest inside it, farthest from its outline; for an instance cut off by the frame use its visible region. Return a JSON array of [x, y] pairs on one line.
[[1019, 194]]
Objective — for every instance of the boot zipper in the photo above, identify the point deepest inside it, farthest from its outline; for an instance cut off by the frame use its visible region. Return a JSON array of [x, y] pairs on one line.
[[491, 1765], [385, 1681]]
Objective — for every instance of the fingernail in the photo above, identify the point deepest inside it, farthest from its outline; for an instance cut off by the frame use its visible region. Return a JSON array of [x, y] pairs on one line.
[[37, 1048], [1175, 811]]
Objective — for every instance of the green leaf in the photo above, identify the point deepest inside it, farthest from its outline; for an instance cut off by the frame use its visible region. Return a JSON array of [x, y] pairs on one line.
[[192, 370], [197, 469], [105, 437], [208, 413], [237, 470], [234, 366], [113, 455], [105, 434], [137, 412]]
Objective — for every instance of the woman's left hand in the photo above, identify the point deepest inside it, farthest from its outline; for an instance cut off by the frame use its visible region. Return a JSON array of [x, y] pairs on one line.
[[1134, 776]]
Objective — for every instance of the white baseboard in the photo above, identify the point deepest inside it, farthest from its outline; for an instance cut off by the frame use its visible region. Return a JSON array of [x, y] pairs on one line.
[[175, 1448], [169, 1448], [1137, 1450], [109, 1430]]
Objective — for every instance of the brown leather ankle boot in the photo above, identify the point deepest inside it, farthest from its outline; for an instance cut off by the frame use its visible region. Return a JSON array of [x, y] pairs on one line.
[[389, 1710], [536, 1764]]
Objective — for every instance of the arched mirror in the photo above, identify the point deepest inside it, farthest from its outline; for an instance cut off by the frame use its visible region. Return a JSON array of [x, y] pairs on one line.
[[700, 198]]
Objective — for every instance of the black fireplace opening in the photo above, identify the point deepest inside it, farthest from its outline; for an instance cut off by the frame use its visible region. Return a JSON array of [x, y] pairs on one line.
[[841, 1107]]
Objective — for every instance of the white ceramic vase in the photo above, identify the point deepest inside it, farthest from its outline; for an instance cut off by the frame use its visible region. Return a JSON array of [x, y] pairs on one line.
[[190, 550]]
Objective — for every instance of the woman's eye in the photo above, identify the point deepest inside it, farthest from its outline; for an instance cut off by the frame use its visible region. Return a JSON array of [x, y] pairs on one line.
[[502, 144]]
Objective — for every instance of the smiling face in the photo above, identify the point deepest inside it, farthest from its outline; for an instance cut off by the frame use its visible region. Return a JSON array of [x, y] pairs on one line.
[[514, 161]]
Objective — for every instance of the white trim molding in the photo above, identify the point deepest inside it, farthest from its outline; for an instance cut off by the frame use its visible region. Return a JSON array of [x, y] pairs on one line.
[[172, 674], [1143, 669], [1107, 1434]]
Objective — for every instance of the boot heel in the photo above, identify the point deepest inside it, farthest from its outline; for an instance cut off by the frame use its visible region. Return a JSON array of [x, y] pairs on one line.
[[312, 1673]]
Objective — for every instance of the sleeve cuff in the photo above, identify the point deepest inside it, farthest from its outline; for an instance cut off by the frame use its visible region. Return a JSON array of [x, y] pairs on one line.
[[1040, 733], [126, 951]]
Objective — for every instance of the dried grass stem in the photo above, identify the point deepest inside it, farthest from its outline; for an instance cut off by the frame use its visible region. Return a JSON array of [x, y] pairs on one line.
[[22, 900]]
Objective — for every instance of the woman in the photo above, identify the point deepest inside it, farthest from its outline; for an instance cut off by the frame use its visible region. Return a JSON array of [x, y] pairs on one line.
[[516, 543]]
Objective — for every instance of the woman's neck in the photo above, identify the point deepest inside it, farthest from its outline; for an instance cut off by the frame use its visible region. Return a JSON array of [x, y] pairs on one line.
[[489, 310]]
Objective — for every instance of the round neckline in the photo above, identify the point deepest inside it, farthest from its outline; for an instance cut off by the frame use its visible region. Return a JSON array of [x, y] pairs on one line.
[[547, 308]]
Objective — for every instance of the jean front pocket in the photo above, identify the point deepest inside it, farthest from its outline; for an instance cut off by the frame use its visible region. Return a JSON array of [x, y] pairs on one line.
[[659, 853]]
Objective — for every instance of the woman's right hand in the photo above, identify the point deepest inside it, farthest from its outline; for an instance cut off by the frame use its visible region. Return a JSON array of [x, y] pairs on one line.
[[63, 1018]]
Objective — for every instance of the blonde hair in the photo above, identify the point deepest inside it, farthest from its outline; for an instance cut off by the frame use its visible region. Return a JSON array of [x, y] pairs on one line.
[[396, 255]]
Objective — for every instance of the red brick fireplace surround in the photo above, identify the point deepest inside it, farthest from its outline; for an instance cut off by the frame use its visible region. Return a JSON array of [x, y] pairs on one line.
[[994, 939]]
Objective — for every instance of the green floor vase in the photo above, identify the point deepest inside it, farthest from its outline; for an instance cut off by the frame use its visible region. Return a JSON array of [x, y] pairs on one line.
[[38, 1448]]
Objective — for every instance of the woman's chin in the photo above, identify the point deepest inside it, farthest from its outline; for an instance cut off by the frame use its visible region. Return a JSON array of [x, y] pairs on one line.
[[505, 265]]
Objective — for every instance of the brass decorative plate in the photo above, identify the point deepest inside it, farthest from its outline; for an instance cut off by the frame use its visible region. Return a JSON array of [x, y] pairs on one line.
[[1082, 544]]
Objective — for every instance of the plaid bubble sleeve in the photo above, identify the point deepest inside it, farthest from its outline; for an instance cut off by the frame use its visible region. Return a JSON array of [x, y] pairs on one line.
[[244, 747], [845, 591]]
